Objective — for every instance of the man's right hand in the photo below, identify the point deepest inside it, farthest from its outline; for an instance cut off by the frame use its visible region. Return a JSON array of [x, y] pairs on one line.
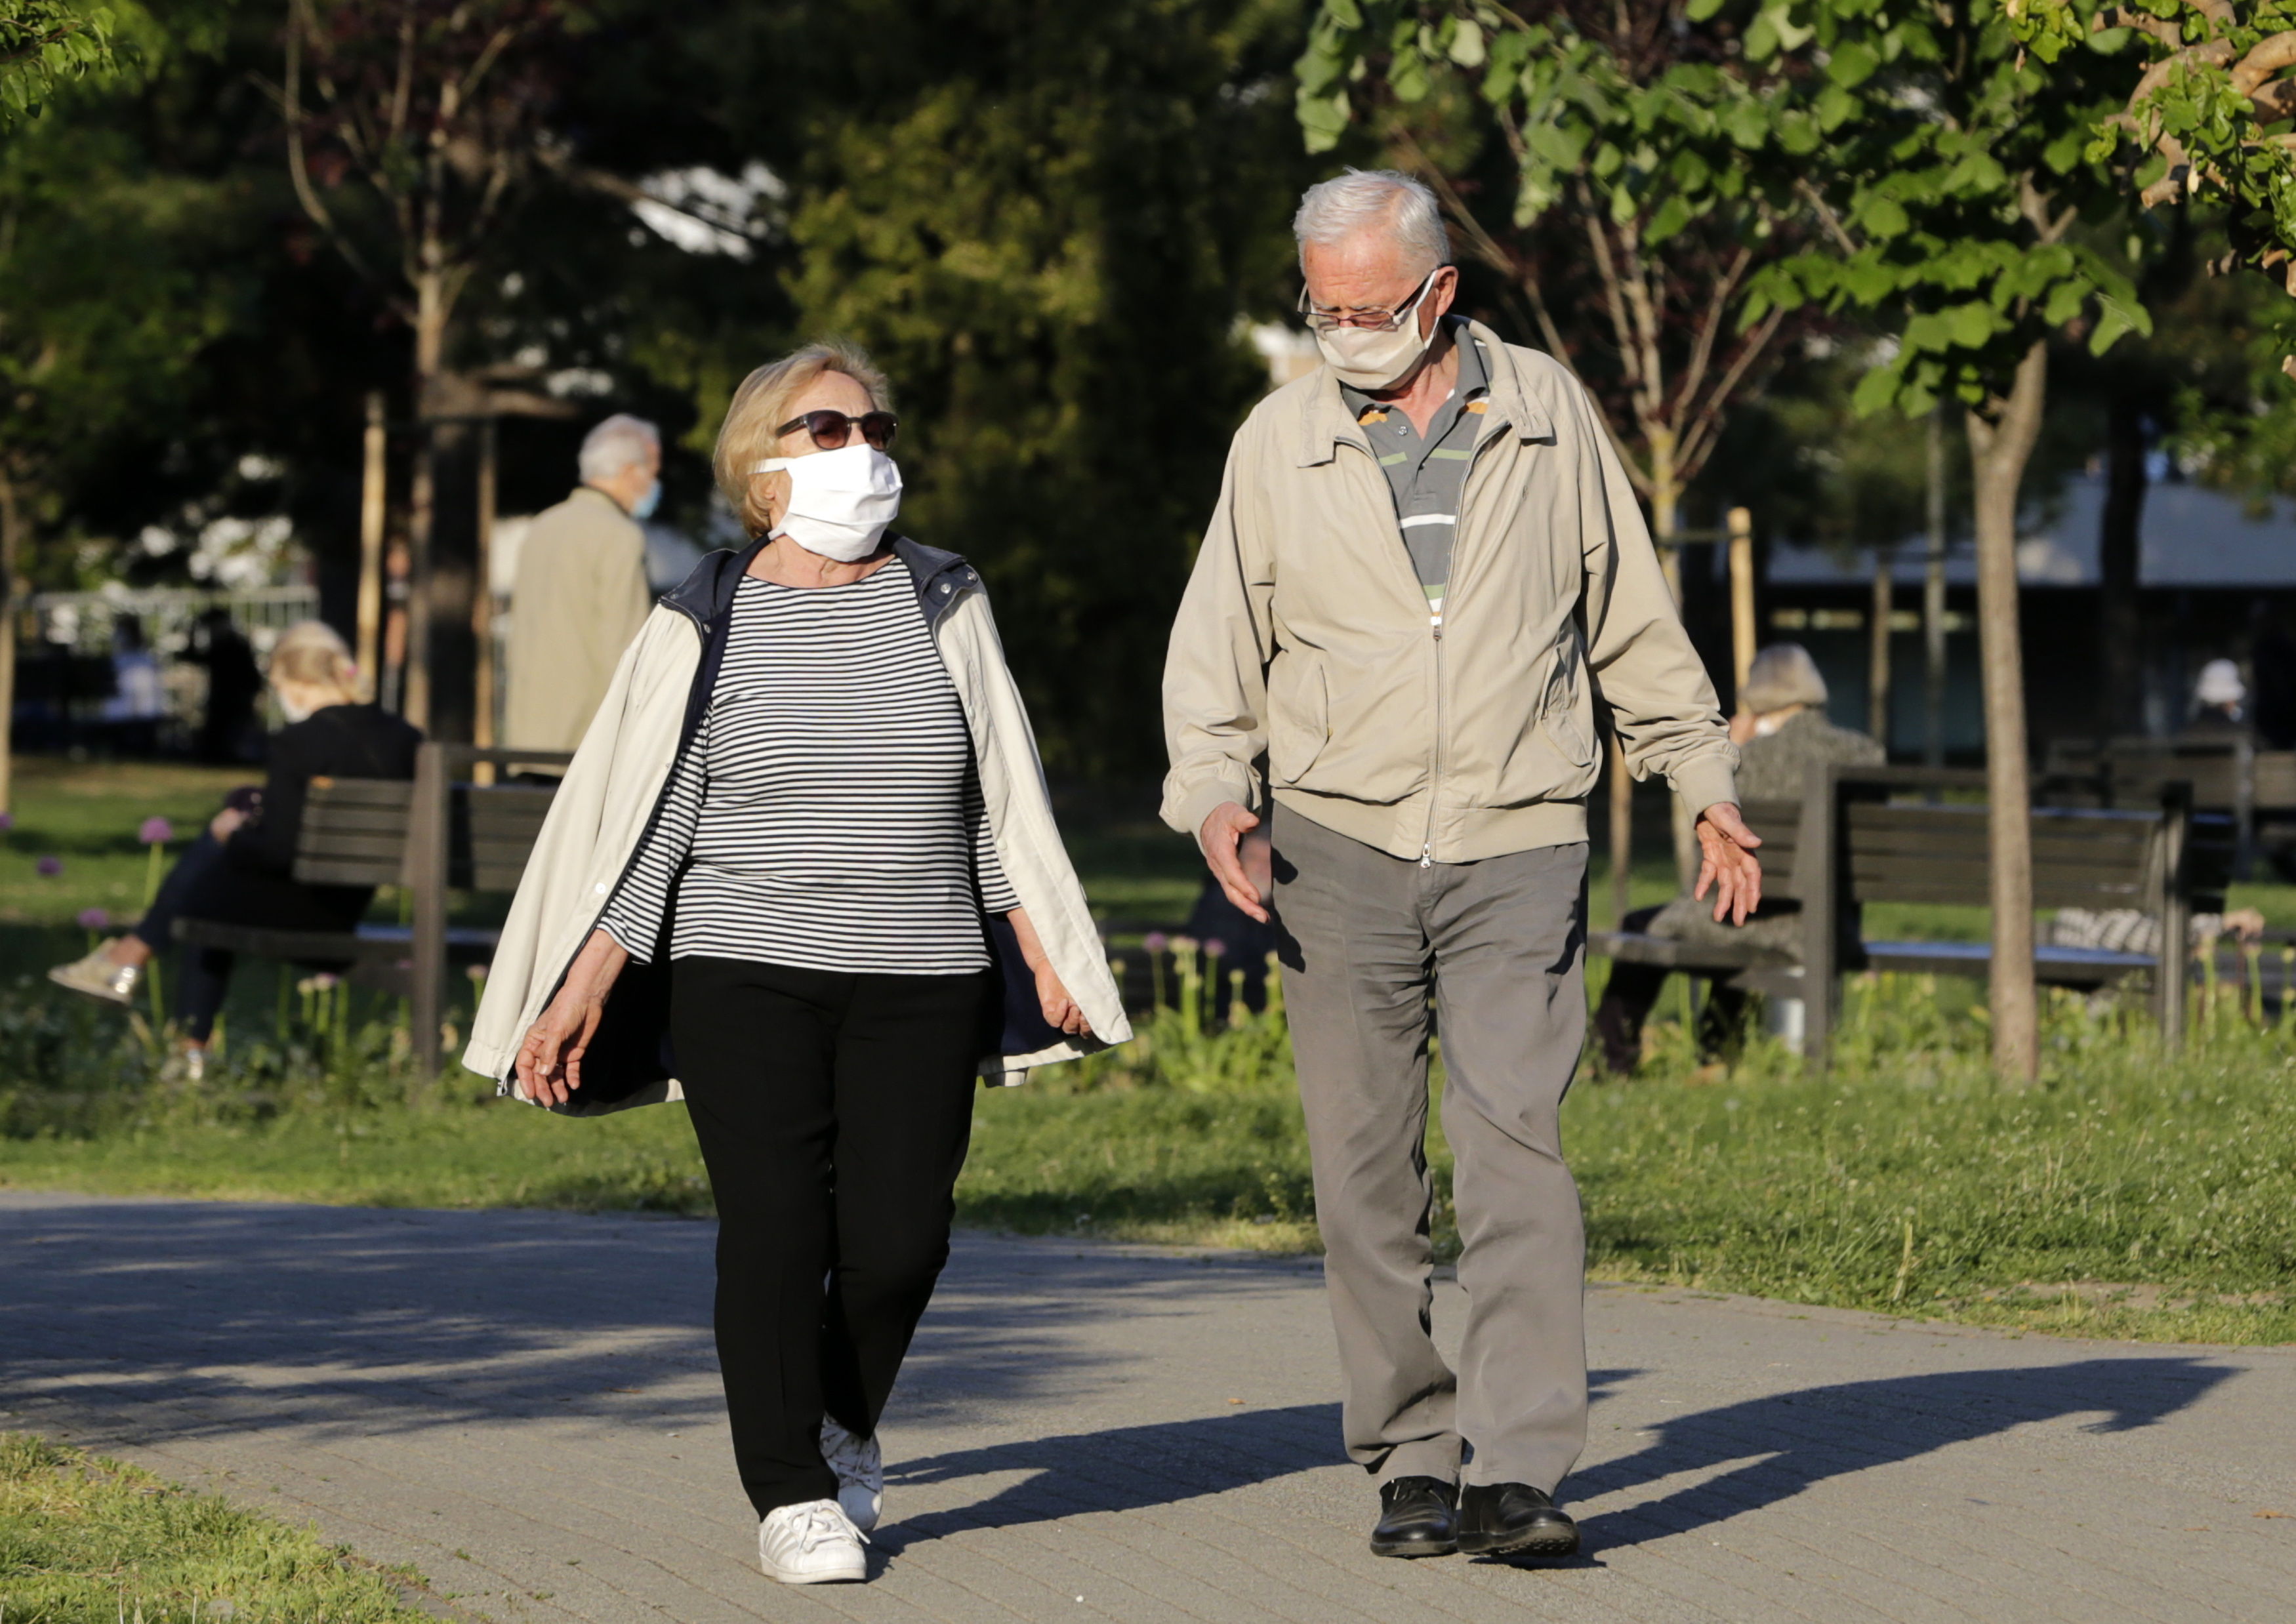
[[1227, 825]]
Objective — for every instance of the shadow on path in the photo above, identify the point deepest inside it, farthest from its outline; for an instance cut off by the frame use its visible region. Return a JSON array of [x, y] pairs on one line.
[[1823, 1432]]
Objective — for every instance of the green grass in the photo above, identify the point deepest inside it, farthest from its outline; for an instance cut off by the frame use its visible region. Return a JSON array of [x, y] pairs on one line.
[[86, 1540]]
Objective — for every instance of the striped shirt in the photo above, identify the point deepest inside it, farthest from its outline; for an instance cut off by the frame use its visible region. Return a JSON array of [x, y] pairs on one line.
[[1429, 475], [828, 812]]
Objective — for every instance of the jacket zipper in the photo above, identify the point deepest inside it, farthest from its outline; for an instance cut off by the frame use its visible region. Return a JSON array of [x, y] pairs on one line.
[[1435, 625]]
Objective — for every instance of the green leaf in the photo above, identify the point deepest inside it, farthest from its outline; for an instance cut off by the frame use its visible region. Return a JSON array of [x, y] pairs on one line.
[[1346, 14], [1876, 390], [1972, 324], [1852, 65], [1883, 216], [1467, 43]]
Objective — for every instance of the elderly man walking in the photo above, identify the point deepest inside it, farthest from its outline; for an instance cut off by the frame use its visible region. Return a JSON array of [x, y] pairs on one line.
[[580, 593], [1425, 567]]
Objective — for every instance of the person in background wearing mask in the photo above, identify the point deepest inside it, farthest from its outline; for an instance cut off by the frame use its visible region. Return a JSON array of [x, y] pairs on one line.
[[580, 593], [1781, 732], [241, 870], [807, 842], [1425, 571]]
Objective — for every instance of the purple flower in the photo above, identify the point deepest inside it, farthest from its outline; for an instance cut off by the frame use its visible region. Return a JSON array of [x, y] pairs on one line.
[[7, 822], [478, 972], [1155, 942], [51, 867], [93, 919], [325, 979], [156, 832], [1215, 948]]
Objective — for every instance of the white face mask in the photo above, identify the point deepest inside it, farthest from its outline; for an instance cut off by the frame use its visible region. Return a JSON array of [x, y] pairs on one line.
[[840, 502], [1368, 360]]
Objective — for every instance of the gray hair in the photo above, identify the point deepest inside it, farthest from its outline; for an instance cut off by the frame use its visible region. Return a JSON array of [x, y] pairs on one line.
[[1782, 675], [1385, 200], [621, 441]]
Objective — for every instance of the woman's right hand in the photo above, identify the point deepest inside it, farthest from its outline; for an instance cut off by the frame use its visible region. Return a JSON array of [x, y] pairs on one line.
[[550, 1059]]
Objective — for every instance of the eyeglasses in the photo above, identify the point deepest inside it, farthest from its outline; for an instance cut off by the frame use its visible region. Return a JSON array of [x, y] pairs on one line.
[[831, 430], [1323, 318]]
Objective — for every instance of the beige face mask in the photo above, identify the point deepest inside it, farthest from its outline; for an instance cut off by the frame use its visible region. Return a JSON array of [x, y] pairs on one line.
[[1365, 359]]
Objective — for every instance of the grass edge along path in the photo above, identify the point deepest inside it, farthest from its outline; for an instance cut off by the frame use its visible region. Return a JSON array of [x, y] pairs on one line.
[[88, 1540]]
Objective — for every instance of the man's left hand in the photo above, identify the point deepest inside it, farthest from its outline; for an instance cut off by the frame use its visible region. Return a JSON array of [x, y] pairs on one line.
[[1728, 863]]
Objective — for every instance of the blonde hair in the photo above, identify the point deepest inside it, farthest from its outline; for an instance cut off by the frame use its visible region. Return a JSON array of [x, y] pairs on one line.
[[310, 653], [761, 405]]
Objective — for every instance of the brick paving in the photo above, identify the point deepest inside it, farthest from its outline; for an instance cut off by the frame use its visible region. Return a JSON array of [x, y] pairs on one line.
[[524, 1407]]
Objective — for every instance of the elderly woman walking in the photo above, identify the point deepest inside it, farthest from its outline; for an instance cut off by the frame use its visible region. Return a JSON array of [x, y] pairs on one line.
[[803, 872]]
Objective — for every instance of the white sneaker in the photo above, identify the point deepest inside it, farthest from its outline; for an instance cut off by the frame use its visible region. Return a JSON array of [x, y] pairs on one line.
[[99, 978], [812, 1543], [860, 1468]]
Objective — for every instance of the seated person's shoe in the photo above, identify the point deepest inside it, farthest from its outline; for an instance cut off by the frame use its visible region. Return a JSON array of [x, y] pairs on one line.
[[1514, 1519], [1416, 1518], [99, 978]]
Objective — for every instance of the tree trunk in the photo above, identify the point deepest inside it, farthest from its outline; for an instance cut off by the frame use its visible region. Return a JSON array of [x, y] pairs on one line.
[[2120, 628], [11, 522], [443, 541], [2000, 445]]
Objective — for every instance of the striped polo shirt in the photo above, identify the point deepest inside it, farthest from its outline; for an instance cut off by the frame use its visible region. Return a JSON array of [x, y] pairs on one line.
[[1429, 476], [828, 813]]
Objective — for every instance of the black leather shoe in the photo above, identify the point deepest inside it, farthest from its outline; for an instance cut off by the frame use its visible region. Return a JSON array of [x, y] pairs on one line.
[[1514, 1519], [1415, 1518]]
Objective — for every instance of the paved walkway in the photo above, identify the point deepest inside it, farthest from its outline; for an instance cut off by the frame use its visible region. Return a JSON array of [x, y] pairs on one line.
[[525, 1407]]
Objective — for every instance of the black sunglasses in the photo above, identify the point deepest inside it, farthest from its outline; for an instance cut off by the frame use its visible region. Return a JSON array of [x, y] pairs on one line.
[[831, 430]]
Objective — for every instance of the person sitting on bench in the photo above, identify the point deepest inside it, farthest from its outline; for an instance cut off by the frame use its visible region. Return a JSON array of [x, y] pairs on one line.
[[241, 870], [1780, 731]]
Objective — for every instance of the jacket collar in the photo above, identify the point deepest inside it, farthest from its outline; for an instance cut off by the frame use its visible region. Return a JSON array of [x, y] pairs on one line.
[[1326, 424], [704, 596]]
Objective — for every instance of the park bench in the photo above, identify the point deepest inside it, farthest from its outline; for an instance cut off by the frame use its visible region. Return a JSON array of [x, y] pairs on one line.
[[439, 834], [2228, 775], [1848, 843]]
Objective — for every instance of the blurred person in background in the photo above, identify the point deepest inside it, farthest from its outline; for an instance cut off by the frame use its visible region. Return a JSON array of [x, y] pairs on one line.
[[139, 698], [228, 730], [1780, 731], [580, 592], [2220, 702], [240, 871]]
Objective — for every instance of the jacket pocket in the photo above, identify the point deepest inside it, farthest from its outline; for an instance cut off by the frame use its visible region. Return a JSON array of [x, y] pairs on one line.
[[1565, 713], [1298, 717]]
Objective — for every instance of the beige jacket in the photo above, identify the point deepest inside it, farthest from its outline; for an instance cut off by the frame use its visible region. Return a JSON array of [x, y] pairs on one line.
[[1304, 637], [617, 779], [580, 597]]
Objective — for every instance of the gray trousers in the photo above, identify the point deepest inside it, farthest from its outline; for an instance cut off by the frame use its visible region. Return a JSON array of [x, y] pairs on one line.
[[1501, 945]]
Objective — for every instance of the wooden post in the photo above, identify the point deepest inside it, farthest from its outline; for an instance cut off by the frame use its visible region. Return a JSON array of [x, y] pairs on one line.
[[426, 884], [2168, 906], [482, 609], [10, 521], [373, 507], [1817, 862], [414, 681], [1933, 602], [1622, 833], [1877, 651], [1743, 634]]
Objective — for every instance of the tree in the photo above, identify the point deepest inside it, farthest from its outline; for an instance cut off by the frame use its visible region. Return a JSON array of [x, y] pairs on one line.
[[414, 130], [2204, 95], [1948, 200], [45, 44]]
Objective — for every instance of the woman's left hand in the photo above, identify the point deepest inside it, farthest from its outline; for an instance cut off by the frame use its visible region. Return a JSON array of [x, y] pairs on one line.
[[1060, 1009], [225, 823]]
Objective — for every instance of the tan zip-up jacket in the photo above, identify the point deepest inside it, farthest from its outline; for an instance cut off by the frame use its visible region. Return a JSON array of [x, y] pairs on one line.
[[615, 781], [1305, 639]]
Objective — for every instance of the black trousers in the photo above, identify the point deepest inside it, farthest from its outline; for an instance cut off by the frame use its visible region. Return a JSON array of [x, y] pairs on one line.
[[204, 885], [834, 1112], [1632, 992]]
